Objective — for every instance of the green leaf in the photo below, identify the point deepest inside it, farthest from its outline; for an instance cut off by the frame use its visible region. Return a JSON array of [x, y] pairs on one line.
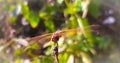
[[25, 10], [19, 51], [42, 14], [74, 7], [17, 61], [49, 44], [47, 59], [36, 60], [31, 16], [11, 7], [12, 19], [6, 61], [34, 46], [85, 46], [94, 8], [63, 57], [49, 9], [70, 9], [33, 19], [49, 25], [103, 41], [72, 22], [77, 5], [83, 24]]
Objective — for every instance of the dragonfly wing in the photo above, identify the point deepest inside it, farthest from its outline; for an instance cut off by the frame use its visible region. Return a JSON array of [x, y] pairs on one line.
[[44, 40], [41, 40], [41, 37]]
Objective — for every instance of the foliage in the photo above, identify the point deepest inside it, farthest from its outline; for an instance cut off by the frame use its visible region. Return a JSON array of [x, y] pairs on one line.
[[73, 45], [94, 8], [31, 16]]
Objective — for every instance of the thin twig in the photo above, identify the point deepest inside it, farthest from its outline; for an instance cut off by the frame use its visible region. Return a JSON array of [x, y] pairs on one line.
[[6, 45], [85, 8]]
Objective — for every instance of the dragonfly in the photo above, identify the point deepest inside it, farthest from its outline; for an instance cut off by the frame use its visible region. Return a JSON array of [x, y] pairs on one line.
[[47, 38], [49, 35], [42, 39]]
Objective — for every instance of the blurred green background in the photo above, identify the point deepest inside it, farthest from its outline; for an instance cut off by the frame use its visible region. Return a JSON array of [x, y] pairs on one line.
[[90, 31]]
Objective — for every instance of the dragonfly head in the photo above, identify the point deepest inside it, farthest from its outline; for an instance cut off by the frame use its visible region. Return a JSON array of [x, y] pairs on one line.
[[55, 37]]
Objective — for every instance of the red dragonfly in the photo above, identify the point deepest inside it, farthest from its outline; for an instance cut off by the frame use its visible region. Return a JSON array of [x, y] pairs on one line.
[[43, 39], [47, 37]]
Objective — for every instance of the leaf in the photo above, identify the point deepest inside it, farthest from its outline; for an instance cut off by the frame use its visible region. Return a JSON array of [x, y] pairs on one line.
[[19, 51], [49, 9], [31, 16], [77, 5], [63, 57], [83, 24], [12, 7], [49, 25], [36, 60], [33, 19], [42, 14], [85, 46], [70, 9], [25, 10], [49, 44], [47, 59], [6, 61], [34, 46], [103, 41], [12, 19], [17, 61], [72, 22], [94, 8], [74, 7]]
